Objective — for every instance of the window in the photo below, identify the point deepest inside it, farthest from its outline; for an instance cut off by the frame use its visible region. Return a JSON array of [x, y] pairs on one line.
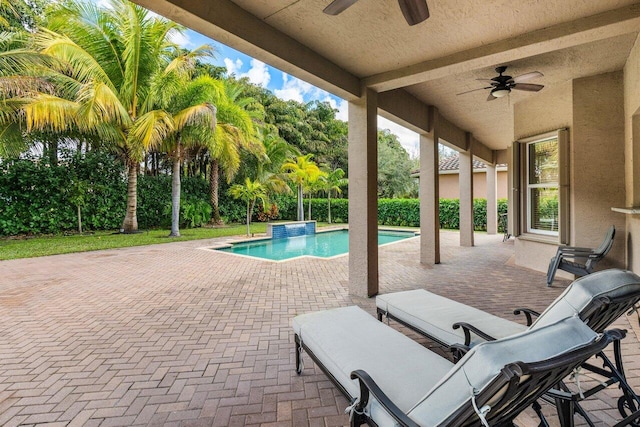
[[542, 186]]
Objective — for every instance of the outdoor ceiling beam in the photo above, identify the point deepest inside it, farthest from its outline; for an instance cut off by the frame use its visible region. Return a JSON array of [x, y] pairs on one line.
[[224, 21], [561, 36], [405, 109], [483, 152]]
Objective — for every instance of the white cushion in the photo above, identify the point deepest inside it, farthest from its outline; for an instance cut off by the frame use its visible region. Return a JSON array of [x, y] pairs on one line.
[[484, 362], [435, 315], [610, 283], [347, 339]]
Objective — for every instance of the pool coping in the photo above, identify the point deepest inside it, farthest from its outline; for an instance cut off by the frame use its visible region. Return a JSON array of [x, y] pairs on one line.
[[229, 244]]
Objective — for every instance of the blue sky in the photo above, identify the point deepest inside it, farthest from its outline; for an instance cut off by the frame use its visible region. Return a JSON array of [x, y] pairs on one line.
[[281, 84]]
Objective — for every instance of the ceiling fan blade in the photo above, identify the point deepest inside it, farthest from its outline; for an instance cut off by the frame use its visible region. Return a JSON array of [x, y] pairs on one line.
[[414, 11], [475, 90], [491, 97], [338, 6], [529, 87], [528, 76]]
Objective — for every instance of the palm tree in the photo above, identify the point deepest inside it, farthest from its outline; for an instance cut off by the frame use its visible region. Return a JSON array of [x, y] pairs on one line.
[[111, 67], [277, 151], [300, 171], [333, 181], [235, 131], [194, 124], [249, 192]]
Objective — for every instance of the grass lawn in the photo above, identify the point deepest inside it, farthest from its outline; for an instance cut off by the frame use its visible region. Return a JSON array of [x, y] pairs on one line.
[[29, 247]]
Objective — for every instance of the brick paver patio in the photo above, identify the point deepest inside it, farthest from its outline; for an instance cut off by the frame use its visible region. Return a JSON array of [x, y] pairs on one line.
[[179, 336]]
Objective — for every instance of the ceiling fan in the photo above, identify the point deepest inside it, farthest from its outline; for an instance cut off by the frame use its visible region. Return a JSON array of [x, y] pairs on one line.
[[414, 11], [502, 85]]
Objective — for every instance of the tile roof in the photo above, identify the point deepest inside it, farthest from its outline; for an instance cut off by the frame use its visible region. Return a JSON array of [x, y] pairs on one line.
[[452, 163]]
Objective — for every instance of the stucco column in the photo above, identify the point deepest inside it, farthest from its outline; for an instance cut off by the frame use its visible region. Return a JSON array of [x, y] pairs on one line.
[[466, 198], [429, 201], [363, 195], [492, 200]]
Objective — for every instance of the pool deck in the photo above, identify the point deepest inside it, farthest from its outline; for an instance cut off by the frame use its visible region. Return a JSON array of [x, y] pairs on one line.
[[170, 335]]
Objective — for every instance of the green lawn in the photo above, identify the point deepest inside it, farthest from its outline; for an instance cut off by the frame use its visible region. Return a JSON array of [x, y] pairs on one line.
[[12, 248]]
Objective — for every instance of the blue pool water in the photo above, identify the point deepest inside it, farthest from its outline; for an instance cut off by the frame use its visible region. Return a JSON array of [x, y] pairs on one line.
[[324, 245]]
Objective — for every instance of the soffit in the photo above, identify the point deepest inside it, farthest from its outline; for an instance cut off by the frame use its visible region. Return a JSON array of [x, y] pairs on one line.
[[492, 121], [372, 37]]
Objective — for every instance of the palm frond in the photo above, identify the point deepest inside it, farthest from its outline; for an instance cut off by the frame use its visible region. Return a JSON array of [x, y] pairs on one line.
[[197, 115], [99, 104], [149, 130], [50, 113]]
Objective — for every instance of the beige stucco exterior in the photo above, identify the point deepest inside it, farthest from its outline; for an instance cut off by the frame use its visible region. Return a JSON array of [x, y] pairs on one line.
[[450, 186], [632, 154], [591, 109]]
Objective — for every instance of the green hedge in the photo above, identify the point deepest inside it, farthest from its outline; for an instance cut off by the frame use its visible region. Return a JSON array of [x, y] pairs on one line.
[[401, 212], [36, 198]]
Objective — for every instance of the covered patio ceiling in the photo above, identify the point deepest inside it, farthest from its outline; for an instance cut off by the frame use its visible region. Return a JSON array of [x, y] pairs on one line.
[[371, 45]]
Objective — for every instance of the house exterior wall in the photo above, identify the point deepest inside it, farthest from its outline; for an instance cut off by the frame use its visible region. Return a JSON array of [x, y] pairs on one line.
[[632, 154], [597, 177], [450, 189], [592, 109], [551, 110]]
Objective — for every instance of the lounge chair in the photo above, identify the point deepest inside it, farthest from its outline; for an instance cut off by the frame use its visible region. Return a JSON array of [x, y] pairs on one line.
[[579, 261], [391, 380], [598, 299]]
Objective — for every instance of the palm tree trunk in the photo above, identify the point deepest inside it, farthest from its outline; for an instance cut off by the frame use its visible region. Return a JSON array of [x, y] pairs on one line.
[[309, 216], [300, 205], [175, 193], [329, 204], [249, 218], [130, 223], [79, 219], [214, 185]]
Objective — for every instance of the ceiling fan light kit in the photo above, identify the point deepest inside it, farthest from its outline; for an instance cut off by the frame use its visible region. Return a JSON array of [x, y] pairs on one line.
[[501, 85]]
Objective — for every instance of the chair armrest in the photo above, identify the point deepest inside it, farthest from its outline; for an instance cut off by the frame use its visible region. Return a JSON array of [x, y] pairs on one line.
[[567, 249], [528, 313], [467, 328], [458, 351], [368, 385]]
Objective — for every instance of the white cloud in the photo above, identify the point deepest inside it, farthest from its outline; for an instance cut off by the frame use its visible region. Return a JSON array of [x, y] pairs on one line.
[[408, 139], [180, 38], [233, 67], [299, 90], [257, 74]]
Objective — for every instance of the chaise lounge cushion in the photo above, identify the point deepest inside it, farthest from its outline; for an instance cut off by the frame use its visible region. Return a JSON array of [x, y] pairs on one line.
[[485, 361], [611, 283], [349, 338], [435, 316]]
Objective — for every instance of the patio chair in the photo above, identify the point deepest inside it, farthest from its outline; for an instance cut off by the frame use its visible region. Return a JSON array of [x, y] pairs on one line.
[[598, 299], [391, 380], [579, 261]]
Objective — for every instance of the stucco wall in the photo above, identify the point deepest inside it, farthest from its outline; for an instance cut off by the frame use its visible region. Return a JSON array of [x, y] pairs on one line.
[[597, 156], [592, 109], [544, 112], [631, 110], [449, 185]]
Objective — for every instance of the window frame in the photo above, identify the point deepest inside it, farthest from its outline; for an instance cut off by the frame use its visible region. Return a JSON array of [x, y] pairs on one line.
[[529, 227]]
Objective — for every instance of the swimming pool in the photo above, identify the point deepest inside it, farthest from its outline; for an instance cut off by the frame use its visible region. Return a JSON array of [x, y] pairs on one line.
[[324, 245]]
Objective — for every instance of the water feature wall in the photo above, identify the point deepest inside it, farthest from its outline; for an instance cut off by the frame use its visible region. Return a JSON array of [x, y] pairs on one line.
[[283, 230]]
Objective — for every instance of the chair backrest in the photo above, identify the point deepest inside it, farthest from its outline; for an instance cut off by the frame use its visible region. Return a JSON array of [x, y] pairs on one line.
[[598, 299], [607, 243], [507, 374]]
